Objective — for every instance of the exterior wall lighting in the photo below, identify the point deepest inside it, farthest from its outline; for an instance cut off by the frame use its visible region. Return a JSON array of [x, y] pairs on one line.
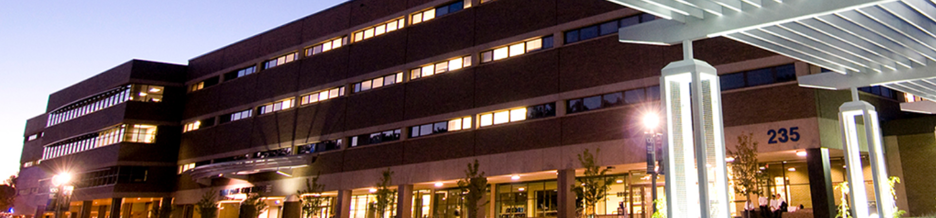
[[515, 177], [801, 153], [438, 184]]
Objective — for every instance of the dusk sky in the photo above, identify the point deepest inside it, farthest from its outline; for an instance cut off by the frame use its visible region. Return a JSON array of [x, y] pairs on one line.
[[46, 46]]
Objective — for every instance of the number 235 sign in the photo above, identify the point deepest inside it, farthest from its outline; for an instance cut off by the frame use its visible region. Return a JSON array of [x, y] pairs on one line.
[[783, 135]]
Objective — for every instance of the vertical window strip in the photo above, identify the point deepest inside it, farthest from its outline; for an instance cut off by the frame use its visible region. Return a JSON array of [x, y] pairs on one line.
[[378, 82], [517, 49], [277, 106], [275, 62], [440, 67], [327, 46], [84, 143], [379, 29], [321, 95], [89, 105], [457, 124]]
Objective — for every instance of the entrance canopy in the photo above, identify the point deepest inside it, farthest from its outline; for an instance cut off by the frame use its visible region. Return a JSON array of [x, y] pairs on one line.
[[863, 42]]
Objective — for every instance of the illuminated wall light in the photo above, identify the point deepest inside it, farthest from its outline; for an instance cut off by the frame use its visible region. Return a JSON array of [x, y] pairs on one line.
[[372, 190], [801, 153], [521, 189], [763, 168], [729, 159], [438, 184], [515, 177], [619, 181], [792, 169]]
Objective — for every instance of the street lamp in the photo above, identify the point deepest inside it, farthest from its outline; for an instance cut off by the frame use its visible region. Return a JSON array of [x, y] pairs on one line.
[[651, 121], [61, 192]]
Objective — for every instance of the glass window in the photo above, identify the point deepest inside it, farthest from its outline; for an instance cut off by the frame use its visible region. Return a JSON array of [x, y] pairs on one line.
[[592, 103], [608, 27], [731, 81], [588, 32], [572, 36], [629, 21], [786, 73], [613, 99], [634, 96], [653, 93], [759, 77]]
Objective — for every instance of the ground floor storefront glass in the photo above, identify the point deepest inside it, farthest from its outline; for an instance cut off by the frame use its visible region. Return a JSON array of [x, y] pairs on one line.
[[527, 199], [364, 206]]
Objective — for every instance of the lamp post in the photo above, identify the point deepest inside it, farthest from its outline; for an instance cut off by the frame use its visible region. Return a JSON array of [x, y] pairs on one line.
[[61, 192], [650, 122]]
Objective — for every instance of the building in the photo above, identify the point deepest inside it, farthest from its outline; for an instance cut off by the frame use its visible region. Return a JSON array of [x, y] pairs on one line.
[[423, 89]]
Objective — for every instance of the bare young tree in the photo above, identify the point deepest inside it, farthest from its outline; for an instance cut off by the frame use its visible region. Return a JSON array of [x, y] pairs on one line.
[[473, 185], [311, 198], [384, 194], [595, 184], [745, 169]]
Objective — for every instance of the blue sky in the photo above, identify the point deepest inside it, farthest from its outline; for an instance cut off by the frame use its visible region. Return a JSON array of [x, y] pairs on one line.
[[46, 46]]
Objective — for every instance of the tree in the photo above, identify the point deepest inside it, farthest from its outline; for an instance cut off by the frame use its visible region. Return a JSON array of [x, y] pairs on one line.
[[745, 170], [207, 207], [384, 195], [8, 193], [253, 206], [897, 212], [843, 210], [473, 187], [312, 198], [595, 184]]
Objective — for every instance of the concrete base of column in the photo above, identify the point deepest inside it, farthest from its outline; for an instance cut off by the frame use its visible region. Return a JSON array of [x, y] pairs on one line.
[[292, 208], [85, 211], [566, 204], [115, 207], [343, 204], [404, 201], [820, 182]]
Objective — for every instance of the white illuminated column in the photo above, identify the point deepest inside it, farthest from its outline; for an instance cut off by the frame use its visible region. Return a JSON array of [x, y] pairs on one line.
[[696, 150], [851, 146]]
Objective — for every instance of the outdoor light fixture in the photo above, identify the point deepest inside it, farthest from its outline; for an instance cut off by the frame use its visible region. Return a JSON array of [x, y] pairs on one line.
[[372, 190], [801, 153], [515, 177], [848, 115], [438, 184], [792, 169], [651, 120], [619, 181], [61, 179], [729, 159], [521, 189]]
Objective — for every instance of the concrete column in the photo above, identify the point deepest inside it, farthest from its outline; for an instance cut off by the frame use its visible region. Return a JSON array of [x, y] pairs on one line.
[[404, 201], [165, 205], [820, 182], [115, 207], [343, 204], [566, 197], [492, 205], [85, 209], [292, 208], [102, 211]]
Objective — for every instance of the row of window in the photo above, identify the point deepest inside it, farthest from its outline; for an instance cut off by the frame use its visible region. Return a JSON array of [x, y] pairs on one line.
[[138, 133], [112, 175], [517, 114], [281, 60], [439, 11], [378, 82], [244, 114], [283, 104], [456, 124], [517, 49], [134, 92], [613, 99], [379, 29], [762, 76], [321, 95], [33, 136], [327, 46], [440, 67], [605, 28], [377, 137], [276, 106]]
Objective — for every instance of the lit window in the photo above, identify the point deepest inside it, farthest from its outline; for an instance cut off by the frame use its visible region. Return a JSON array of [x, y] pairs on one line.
[[439, 11], [516, 49], [235, 116], [276, 106], [186, 167], [457, 124], [378, 82], [141, 133], [281, 60], [440, 67], [377, 137], [321, 95], [146, 93], [191, 126], [518, 114], [378, 29], [33, 136], [327, 46]]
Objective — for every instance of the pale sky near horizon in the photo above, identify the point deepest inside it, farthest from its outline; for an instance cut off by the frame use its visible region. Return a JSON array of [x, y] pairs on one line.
[[46, 46]]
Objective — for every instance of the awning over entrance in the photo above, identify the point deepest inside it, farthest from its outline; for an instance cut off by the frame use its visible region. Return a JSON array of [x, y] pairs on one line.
[[863, 42]]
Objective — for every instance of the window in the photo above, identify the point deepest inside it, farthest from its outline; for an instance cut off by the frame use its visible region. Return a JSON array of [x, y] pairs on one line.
[[379, 29], [605, 28], [456, 124], [613, 99], [111, 175], [378, 82], [517, 114], [377, 137], [280, 60], [757, 77], [327, 46], [320, 146], [186, 167], [427, 15], [85, 142], [277, 106], [517, 49], [192, 126], [321, 95], [89, 105], [440, 67], [141, 133], [235, 116], [240, 73], [204, 84], [147, 93], [33, 136], [881, 91]]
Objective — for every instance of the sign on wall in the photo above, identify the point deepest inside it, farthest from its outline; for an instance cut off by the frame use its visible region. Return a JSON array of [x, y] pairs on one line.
[[777, 136]]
